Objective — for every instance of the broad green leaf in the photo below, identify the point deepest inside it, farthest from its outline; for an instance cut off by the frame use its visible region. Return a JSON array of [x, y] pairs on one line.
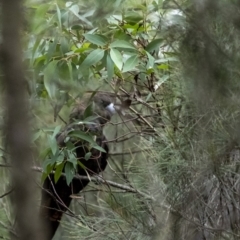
[[58, 171], [110, 68], [94, 57], [117, 58], [69, 172], [99, 40], [154, 45], [131, 63], [122, 44], [49, 76]]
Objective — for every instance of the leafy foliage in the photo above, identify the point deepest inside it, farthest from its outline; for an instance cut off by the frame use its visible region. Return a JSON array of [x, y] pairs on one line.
[[174, 148]]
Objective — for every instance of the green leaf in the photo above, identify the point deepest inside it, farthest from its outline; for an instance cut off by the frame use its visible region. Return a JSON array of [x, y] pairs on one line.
[[161, 81], [97, 39], [75, 10], [53, 145], [132, 17], [64, 45], [72, 158], [56, 131], [58, 171], [52, 48], [59, 16], [99, 148], [87, 155], [70, 146], [94, 57], [150, 63], [46, 165], [110, 68], [81, 165], [154, 45], [49, 76], [117, 58], [47, 169], [168, 59], [69, 64], [69, 172], [122, 44], [130, 63], [83, 136], [89, 111], [36, 135]]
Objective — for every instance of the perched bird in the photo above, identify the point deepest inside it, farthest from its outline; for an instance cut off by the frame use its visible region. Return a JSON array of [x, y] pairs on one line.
[[56, 197]]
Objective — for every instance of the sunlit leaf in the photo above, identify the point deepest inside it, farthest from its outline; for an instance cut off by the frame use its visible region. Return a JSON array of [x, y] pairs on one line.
[[117, 58]]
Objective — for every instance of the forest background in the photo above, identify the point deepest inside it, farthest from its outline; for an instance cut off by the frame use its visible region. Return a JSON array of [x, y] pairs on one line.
[[173, 169]]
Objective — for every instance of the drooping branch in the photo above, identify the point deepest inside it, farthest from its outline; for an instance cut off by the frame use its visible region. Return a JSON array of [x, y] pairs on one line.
[[98, 179]]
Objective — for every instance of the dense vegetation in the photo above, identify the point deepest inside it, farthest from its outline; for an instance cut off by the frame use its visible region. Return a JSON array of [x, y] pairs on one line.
[[173, 171]]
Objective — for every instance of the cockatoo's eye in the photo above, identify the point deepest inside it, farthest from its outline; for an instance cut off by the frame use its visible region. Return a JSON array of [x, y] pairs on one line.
[[111, 108]]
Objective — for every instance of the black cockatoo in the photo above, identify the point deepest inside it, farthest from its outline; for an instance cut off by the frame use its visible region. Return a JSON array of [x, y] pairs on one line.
[[56, 197]]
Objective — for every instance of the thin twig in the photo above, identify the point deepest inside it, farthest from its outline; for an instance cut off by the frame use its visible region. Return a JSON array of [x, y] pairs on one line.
[[7, 193]]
